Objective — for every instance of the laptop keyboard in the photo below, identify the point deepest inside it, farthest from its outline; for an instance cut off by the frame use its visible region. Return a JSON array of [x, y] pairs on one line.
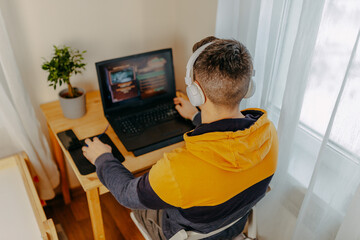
[[135, 124]]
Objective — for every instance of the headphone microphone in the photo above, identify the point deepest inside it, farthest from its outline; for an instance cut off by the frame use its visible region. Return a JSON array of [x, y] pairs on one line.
[[194, 91]]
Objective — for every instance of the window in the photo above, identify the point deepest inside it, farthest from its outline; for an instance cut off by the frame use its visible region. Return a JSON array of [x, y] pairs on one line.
[[336, 38]]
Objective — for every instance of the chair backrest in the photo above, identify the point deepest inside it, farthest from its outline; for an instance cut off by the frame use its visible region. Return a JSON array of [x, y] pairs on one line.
[[249, 233]]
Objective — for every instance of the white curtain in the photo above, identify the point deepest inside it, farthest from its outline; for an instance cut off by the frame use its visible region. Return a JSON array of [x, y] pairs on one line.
[[307, 62], [19, 127]]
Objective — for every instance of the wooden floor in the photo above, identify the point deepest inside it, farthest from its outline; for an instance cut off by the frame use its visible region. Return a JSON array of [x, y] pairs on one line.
[[75, 219]]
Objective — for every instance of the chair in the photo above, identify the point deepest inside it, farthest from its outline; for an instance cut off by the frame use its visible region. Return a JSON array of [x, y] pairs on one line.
[[249, 233], [20, 201]]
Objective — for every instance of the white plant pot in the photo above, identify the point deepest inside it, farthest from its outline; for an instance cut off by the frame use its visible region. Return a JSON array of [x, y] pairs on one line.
[[73, 107]]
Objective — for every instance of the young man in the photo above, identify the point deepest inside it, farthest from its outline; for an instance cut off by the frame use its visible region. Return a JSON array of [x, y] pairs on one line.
[[226, 164]]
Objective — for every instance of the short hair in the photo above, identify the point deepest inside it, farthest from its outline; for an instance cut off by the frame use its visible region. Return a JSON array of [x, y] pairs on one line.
[[224, 70]]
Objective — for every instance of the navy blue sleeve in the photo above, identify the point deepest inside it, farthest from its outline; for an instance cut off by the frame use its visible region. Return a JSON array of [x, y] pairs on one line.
[[131, 192]]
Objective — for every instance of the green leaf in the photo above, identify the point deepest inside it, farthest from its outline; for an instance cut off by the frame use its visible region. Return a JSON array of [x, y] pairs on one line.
[[64, 63]]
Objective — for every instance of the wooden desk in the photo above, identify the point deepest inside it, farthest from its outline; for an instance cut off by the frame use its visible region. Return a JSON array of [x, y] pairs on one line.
[[91, 124]]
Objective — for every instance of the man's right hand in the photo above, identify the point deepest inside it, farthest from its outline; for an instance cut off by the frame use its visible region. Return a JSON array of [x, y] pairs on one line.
[[184, 107]]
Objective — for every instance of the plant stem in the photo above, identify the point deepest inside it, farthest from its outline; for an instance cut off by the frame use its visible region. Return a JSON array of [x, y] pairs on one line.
[[70, 90]]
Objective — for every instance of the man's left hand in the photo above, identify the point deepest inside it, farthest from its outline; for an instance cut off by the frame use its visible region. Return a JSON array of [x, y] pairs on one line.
[[95, 149]]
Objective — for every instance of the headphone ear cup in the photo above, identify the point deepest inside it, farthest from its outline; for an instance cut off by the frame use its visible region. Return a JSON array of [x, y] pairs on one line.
[[195, 94], [251, 89]]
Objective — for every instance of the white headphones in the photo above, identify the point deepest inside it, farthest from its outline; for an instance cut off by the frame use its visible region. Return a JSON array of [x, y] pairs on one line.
[[193, 90]]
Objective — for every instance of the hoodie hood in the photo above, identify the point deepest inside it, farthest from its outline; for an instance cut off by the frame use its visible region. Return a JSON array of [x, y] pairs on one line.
[[219, 161], [234, 151]]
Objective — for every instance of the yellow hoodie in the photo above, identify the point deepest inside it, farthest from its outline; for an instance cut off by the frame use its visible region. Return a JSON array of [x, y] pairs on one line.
[[216, 166]]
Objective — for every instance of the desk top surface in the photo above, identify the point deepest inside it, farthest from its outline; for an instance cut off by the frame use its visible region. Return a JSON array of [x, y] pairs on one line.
[[93, 123]]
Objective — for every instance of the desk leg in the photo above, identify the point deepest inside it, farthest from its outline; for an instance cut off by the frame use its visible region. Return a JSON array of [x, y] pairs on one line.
[[61, 164], [95, 213]]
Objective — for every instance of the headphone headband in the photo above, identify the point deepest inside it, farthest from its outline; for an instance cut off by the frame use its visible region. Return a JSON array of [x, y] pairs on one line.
[[192, 60]]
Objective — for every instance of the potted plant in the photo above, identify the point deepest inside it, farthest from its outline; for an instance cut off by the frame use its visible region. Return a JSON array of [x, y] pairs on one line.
[[65, 63]]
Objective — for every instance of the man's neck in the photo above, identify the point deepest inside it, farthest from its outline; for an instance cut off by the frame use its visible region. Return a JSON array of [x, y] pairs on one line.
[[211, 113]]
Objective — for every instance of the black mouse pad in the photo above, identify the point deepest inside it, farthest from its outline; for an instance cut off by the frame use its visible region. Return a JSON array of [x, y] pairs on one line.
[[83, 165]]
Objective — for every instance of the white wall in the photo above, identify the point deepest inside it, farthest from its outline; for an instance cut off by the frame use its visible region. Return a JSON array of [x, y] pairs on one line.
[[194, 20], [106, 29]]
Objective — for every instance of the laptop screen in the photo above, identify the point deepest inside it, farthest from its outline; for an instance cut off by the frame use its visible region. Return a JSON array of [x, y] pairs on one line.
[[136, 80]]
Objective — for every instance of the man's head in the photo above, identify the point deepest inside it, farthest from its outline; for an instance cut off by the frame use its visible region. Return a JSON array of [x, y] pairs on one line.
[[223, 71]]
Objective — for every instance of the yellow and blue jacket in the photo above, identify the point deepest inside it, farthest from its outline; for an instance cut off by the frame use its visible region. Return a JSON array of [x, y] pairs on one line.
[[221, 172]]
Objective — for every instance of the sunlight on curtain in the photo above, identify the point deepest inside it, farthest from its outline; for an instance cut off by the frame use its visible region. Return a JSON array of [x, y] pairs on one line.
[[308, 50], [350, 226], [335, 41], [312, 86], [337, 175], [20, 128], [277, 215]]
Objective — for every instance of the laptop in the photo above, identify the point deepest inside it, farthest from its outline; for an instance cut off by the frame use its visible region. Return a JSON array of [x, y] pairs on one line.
[[137, 96]]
